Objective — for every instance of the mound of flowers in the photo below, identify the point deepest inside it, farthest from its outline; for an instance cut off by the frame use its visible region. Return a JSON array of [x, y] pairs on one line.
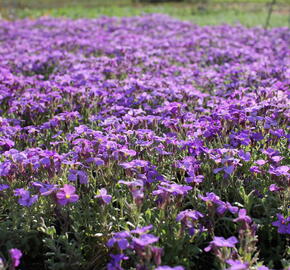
[[143, 143]]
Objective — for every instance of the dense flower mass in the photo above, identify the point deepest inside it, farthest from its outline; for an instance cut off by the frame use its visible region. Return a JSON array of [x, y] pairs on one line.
[[143, 143]]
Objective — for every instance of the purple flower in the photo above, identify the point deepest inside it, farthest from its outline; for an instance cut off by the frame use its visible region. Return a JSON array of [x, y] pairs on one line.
[[222, 207], [279, 133], [67, 195], [135, 164], [25, 198], [257, 136], [262, 268], [6, 143], [166, 189], [5, 168], [188, 219], [243, 217], [128, 152], [237, 265], [261, 162], [96, 161], [165, 267], [210, 197], [275, 188], [194, 179], [145, 240], [276, 159], [115, 262], [45, 162], [136, 188], [120, 239], [172, 188], [229, 169], [15, 254], [255, 169], [74, 175], [222, 242], [283, 224], [191, 214], [270, 152], [246, 156], [104, 196], [142, 230], [45, 189], [3, 187], [278, 171]]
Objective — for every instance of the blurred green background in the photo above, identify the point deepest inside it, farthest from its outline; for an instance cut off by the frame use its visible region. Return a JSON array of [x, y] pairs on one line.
[[203, 12]]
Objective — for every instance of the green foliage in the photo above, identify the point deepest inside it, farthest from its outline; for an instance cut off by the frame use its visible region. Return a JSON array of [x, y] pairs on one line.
[[208, 12]]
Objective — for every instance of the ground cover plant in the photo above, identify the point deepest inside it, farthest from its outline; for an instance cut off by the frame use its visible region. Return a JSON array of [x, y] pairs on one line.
[[143, 143]]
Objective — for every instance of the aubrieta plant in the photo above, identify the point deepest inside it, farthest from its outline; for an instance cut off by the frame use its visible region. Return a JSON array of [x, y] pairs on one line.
[[143, 143]]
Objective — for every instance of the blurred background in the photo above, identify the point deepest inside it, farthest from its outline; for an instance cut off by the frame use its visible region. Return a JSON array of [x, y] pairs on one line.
[[267, 13]]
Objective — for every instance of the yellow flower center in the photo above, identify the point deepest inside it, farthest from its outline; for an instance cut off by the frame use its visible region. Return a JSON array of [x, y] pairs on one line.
[[67, 196]]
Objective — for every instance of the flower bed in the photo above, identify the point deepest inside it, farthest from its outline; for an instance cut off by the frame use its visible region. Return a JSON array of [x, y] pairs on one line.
[[143, 143]]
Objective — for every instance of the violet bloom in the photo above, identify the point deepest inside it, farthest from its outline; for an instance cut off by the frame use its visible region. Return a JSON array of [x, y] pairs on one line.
[[137, 163], [210, 198], [166, 189], [276, 159], [191, 214], [45, 189], [142, 230], [145, 240], [275, 188], [222, 207], [116, 261], [283, 224], [3, 187], [103, 195], [172, 188], [188, 219], [15, 255], [25, 198], [237, 265], [75, 175], [270, 152], [5, 168], [262, 268], [137, 189], [67, 195], [243, 217], [255, 169], [165, 267], [246, 156], [128, 152], [96, 161], [194, 179], [278, 171], [257, 136], [120, 239], [222, 242], [261, 162]]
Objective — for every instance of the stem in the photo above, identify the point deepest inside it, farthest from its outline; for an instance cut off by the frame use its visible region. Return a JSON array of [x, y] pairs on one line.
[[270, 13]]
